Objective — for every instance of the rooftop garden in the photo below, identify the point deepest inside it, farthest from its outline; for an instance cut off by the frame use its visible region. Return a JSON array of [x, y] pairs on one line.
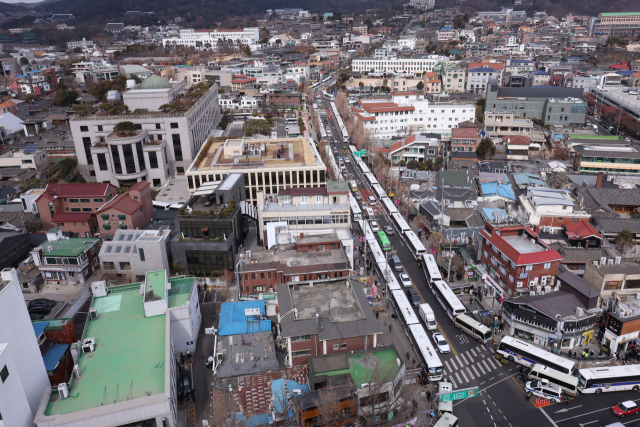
[[213, 213]]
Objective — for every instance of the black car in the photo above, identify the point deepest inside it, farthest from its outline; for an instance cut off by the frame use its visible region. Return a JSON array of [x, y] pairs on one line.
[[39, 309], [413, 297], [184, 383], [36, 316], [42, 301]]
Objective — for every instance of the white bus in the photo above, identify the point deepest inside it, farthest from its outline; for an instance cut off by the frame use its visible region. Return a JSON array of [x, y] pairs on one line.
[[427, 352], [370, 179], [388, 206], [378, 191], [472, 327], [568, 383], [399, 223], [356, 212], [392, 283], [415, 245], [447, 299], [431, 270], [528, 355], [612, 378], [404, 309]]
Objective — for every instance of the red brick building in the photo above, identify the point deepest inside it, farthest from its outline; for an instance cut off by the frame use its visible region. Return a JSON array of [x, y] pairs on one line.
[[72, 198], [132, 210], [83, 223], [465, 139], [54, 338], [516, 261], [325, 317]]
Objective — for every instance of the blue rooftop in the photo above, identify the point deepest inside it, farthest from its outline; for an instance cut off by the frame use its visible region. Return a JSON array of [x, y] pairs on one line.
[[490, 189], [529, 179], [39, 328], [489, 213], [483, 70], [625, 72], [53, 356], [278, 393], [235, 321], [446, 29], [541, 73]]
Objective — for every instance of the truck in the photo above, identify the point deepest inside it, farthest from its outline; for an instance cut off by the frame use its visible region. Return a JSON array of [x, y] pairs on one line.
[[426, 313]]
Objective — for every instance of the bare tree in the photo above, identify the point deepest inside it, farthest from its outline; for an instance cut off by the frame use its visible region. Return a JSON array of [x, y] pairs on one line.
[[342, 104], [435, 239], [402, 194], [331, 407]]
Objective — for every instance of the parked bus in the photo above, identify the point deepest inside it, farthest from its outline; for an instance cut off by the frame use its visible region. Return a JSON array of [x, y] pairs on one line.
[[378, 191], [473, 327], [356, 212], [431, 269], [568, 383], [528, 355], [399, 223], [383, 240], [404, 309], [389, 277], [370, 179], [429, 355], [415, 245], [611, 378], [447, 299], [388, 206]]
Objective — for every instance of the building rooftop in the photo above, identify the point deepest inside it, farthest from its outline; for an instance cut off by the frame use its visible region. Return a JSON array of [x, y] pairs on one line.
[[523, 245], [67, 247], [128, 361], [362, 367], [290, 259], [155, 285], [237, 318], [246, 354]]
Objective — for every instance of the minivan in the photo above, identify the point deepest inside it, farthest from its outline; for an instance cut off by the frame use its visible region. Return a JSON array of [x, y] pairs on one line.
[[397, 264], [372, 200], [545, 390], [414, 297]]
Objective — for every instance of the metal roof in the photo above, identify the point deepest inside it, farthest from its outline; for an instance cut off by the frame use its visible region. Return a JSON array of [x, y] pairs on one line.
[[53, 356], [234, 321], [39, 327]]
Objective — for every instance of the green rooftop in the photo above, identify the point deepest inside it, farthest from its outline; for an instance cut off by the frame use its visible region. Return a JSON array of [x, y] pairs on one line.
[[601, 137], [156, 282], [621, 14], [362, 367], [180, 291], [129, 359], [333, 186], [67, 247]]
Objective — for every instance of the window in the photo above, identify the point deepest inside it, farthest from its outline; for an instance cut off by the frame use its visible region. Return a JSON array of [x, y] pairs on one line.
[[98, 200], [125, 266], [4, 373], [301, 338], [174, 126], [177, 147], [85, 200], [129, 162], [73, 200], [153, 160], [86, 142], [87, 210], [529, 268], [342, 346], [115, 156], [301, 353], [102, 162], [258, 289], [547, 265], [158, 126], [303, 200], [84, 128], [141, 251]]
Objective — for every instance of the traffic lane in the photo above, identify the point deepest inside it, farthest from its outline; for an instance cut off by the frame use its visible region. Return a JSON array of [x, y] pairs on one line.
[[592, 410]]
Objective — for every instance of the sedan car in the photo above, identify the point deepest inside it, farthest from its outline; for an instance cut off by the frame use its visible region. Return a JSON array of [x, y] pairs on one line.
[[441, 343], [42, 301], [406, 280], [184, 383], [358, 196], [628, 407], [388, 229], [39, 309], [374, 226], [347, 160]]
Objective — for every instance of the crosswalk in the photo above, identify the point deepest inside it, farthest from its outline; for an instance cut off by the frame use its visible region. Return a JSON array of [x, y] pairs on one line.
[[468, 366]]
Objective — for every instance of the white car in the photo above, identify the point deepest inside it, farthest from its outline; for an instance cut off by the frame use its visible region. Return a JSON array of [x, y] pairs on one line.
[[441, 343], [406, 280], [347, 160], [374, 226]]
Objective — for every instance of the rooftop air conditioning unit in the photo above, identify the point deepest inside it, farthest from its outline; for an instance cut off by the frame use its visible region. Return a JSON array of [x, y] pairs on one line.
[[618, 259], [603, 261], [63, 391], [89, 345], [610, 261], [579, 311], [93, 312], [543, 280]]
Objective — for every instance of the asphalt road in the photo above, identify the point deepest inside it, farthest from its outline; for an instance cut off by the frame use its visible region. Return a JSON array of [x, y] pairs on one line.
[[501, 400]]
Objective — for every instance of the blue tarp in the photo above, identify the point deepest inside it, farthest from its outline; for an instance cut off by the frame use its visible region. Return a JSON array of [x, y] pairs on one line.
[[39, 327], [494, 189], [233, 320], [54, 355]]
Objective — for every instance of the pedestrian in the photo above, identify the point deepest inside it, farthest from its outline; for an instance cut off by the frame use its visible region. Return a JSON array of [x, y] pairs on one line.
[[567, 401], [181, 358], [193, 395], [389, 327], [428, 395], [413, 361], [377, 314], [188, 355], [526, 397], [408, 355]]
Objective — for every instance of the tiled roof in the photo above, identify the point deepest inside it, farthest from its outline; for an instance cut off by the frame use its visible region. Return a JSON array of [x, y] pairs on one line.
[[94, 189], [123, 203], [616, 225], [464, 133], [581, 230], [517, 140], [582, 255], [494, 65], [72, 216]]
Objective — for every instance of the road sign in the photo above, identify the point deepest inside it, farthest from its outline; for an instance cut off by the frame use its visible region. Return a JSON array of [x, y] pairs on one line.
[[210, 331], [484, 313], [361, 153], [459, 394]]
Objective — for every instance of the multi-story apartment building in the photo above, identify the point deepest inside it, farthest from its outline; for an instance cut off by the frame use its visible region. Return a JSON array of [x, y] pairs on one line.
[[549, 210], [422, 4], [24, 159], [617, 24], [612, 160], [293, 206], [71, 260], [479, 77], [211, 39], [516, 261], [446, 33], [454, 78], [519, 66], [284, 96], [131, 210], [164, 144], [419, 147], [270, 165], [465, 139], [71, 198], [498, 125], [418, 64], [408, 113]]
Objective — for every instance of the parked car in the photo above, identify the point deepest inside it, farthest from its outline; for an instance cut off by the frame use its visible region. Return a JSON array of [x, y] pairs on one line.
[[374, 226], [414, 297], [544, 390], [440, 342], [388, 229], [42, 301], [184, 383], [627, 407], [406, 280]]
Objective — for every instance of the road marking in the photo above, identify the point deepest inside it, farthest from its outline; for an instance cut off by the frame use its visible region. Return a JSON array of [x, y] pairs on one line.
[[453, 383], [568, 409], [491, 378], [482, 382], [487, 366], [592, 412], [475, 370], [499, 410], [470, 374], [492, 362], [458, 377], [466, 380], [480, 367], [590, 422], [474, 353], [446, 363], [464, 359]]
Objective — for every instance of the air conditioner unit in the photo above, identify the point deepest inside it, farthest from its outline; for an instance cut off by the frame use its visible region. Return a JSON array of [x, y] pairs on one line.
[[610, 261], [63, 391], [93, 312], [543, 280], [618, 259], [119, 222], [89, 345], [603, 261]]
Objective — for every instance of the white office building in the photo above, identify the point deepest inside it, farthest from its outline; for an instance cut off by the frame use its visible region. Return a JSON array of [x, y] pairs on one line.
[[395, 65], [209, 39], [164, 144], [22, 372], [423, 4], [407, 113]]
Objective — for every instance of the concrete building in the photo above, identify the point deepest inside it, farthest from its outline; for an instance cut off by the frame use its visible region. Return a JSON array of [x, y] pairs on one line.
[[130, 326], [465, 139], [211, 39], [549, 210], [422, 4], [133, 253], [163, 145], [454, 78], [408, 112], [24, 159], [618, 98], [329, 207], [516, 261], [395, 65], [617, 24], [82, 44], [479, 77], [22, 368], [612, 160], [268, 164], [325, 317], [419, 147], [66, 260], [131, 210], [500, 125], [556, 106]]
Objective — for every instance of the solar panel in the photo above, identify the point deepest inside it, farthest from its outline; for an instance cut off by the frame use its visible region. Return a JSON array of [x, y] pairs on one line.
[[31, 148]]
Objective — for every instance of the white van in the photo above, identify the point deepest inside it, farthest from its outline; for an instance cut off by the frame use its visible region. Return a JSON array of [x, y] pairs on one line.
[[568, 383], [372, 200], [544, 389], [353, 185], [426, 313]]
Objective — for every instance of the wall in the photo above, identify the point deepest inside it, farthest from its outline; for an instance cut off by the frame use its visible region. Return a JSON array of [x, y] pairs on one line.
[[185, 324], [14, 404]]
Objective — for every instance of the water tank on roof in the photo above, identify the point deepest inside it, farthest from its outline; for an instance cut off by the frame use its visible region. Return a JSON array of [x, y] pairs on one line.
[[131, 83], [114, 96]]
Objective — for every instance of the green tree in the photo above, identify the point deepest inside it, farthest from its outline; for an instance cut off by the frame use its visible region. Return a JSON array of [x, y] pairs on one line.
[[402, 163], [29, 97], [625, 239], [485, 148], [177, 267], [77, 50], [120, 109], [65, 97], [429, 164], [412, 164], [420, 86], [125, 128], [256, 126], [100, 89], [24, 60], [246, 50], [422, 166], [65, 166]]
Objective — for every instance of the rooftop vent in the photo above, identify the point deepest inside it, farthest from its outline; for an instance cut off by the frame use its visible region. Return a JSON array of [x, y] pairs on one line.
[[89, 345], [93, 312]]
